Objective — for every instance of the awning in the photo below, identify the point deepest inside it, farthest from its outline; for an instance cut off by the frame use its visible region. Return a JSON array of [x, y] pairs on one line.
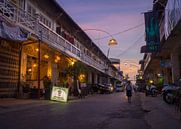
[[152, 48], [11, 32]]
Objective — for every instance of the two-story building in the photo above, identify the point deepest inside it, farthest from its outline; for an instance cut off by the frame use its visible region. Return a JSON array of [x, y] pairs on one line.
[[38, 39]]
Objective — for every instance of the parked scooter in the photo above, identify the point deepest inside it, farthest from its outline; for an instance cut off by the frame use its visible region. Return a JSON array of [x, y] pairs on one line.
[[169, 93], [151, 90]]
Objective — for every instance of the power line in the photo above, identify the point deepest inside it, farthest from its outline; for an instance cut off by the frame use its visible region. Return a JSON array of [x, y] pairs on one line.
[[122, 53], [129, 29]]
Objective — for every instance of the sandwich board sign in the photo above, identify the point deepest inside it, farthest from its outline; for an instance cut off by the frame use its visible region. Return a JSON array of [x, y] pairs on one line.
[[59, 94]]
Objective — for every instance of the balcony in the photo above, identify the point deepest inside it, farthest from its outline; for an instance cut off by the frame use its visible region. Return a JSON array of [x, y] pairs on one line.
[[91, 62], [16, 16]]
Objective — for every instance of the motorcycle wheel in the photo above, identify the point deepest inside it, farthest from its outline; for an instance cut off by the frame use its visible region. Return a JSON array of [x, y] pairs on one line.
[[168, 99]]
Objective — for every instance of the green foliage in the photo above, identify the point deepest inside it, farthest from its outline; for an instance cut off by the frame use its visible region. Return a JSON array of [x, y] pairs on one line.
[[76, 69], [160, 83]]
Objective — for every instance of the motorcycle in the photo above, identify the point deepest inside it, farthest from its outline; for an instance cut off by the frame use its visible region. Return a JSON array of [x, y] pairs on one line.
[[152, 90], [169, 93]]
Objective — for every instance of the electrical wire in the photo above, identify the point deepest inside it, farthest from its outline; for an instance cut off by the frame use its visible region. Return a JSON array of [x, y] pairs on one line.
[[129, 29], [130, 47]]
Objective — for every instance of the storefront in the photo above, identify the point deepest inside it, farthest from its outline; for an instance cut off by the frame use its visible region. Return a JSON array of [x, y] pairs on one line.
[[54, 66]]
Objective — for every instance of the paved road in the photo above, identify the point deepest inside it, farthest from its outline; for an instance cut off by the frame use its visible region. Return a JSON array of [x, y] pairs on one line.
[[95, 112], [107, 111]]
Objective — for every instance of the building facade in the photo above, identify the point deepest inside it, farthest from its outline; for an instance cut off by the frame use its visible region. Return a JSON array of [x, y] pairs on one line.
[[37, 43], [165, 65]]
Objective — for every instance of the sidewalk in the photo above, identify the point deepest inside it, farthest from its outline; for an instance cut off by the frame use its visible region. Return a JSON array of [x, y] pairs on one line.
[[160, 115], [13, 104]]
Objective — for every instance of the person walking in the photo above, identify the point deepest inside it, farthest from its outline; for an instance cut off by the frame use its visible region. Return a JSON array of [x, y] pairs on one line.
[[79, 89], [129, 91]]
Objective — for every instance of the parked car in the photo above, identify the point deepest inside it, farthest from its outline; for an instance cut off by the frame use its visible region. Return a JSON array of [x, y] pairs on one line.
[[105, 88], [119, 88]]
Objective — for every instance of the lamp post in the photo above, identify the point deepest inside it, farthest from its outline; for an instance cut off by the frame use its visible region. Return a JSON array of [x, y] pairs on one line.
[[111, 42]]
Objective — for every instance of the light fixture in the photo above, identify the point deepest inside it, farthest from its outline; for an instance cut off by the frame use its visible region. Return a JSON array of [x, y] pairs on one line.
[[37, 49], [34, 65], [57, 58], [81, 77], [112, 42], [140, 77], [29, 70], [56, 61], [151, 81], [72, 62], [46, 56]]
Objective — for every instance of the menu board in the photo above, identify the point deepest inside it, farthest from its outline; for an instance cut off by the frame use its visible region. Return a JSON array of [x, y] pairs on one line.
[[59, 94]]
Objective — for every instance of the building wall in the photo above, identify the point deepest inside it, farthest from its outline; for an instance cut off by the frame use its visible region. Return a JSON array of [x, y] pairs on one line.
[[9, 67]]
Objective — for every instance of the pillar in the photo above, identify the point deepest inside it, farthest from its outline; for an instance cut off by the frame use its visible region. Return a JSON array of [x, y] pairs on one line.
[[23, 66], [89, 77], [96, 78], [165, 76], [54, 74], [175, 66]]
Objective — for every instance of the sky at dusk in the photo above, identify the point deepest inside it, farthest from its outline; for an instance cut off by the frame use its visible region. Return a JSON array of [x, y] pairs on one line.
[[113, 16]]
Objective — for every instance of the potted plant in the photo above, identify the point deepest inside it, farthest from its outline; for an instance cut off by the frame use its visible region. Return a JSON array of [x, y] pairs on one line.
[[47, 86]]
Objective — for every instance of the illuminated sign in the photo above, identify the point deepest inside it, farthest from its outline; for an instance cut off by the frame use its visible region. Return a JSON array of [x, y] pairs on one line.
[[59, 94]]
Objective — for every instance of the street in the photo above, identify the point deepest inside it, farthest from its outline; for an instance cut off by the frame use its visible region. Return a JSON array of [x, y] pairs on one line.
[[107, 111]]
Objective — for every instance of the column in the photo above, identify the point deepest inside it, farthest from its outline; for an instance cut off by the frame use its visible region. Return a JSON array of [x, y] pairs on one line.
[[54, 74], [165, 76], [175, 66], [23, 66], [89, 77], [96, 78]]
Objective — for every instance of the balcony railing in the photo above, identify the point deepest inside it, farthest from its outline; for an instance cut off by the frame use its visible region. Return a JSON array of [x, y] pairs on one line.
[[86, 59], [15, 15]]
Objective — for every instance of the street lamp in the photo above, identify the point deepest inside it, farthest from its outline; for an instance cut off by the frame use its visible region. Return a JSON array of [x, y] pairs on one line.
[[111, 42]]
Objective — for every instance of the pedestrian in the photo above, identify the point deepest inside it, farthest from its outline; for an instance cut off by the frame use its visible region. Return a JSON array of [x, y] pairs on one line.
[[79, 89], [129, 91], [83, 89]]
